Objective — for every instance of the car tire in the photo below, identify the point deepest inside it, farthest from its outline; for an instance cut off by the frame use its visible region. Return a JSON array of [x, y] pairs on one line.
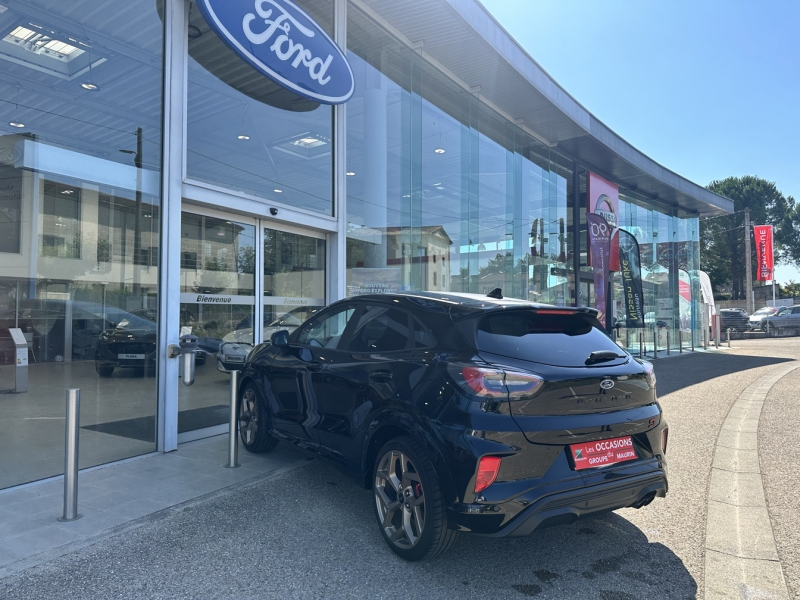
[[417, 528], [103, 370], [254, 421]]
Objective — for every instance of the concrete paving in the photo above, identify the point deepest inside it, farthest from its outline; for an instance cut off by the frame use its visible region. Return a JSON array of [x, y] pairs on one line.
[[116, 496], [310, 533]]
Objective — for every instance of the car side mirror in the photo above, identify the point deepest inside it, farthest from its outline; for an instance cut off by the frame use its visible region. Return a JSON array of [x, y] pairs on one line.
[[280, 338]]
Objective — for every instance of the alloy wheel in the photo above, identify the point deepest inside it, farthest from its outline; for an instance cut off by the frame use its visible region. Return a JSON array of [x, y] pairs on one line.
[[400, 499]]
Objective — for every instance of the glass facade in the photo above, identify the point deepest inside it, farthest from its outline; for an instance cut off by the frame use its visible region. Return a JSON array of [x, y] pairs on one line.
[[80, 156], [441, 194], [669, 252]]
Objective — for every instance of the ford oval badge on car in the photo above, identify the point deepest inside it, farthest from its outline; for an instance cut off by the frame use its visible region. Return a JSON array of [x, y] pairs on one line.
[[281, 41], [606, 384]]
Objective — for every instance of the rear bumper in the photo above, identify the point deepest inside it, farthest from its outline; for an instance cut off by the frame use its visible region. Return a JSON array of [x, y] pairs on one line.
[[568, 506], [543, 509]]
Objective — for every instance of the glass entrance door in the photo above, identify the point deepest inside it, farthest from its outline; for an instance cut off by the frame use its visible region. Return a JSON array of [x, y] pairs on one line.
[[217, 299], [294, 279], [220, 258]]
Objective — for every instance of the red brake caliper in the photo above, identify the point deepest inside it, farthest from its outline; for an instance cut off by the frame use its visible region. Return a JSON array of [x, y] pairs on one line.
[[418, 490]]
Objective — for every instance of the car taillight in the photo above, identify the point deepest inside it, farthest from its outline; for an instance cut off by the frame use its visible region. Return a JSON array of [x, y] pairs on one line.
[[664, 436], [650, 373], [484, 382], [496, 383], [488, 467]]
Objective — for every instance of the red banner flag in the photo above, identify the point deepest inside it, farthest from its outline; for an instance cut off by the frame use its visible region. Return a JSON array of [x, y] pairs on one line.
[[763, 234]]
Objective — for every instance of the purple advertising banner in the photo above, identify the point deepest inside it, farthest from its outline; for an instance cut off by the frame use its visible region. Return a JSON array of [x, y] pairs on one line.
[[599, 250]]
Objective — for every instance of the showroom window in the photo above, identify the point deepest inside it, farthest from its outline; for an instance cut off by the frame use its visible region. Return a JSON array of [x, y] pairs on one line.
[[80, 155]]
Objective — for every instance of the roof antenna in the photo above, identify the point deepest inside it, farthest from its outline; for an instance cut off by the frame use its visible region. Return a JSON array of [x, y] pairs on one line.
[[496, 293]]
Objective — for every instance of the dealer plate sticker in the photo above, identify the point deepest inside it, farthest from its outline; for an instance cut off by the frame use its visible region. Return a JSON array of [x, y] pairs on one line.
[[602, 453], [130, 356]]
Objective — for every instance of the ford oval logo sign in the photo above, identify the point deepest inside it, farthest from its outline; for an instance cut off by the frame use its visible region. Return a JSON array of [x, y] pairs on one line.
[[281, 41], [606, 384]]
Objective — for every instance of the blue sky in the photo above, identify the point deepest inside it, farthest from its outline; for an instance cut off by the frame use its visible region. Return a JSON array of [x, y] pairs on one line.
[[707, 88]]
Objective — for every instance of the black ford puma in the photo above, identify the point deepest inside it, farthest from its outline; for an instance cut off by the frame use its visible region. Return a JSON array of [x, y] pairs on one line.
[[463, 413]]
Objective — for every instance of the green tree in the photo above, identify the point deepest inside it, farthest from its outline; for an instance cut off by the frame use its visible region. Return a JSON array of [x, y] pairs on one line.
[[722, 239]]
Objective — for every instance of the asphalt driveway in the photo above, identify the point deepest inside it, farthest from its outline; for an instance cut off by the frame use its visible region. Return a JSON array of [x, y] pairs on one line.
[[310, 533]]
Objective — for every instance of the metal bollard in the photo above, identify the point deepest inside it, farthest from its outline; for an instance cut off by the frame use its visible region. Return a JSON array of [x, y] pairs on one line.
[[71, 456], [655, 344], [667, 341], [729, 337], [233, 439], [680, 341], [641, 344]]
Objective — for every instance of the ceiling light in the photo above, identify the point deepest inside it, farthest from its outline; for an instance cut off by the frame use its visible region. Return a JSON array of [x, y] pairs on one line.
[[243, 137], [221, 233], [437, 183], [350, 173], [68, 192], [277, 191], [88, 85], [42, 44], [16, 124], [309, 142], [440, 151], [147, 216]]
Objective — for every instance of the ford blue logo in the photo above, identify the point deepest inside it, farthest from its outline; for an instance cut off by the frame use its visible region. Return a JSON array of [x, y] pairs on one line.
[[281, 41], [606, 384]]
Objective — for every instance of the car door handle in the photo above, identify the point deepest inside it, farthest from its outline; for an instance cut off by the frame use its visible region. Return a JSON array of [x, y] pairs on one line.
[[381, 376], [314, 366]]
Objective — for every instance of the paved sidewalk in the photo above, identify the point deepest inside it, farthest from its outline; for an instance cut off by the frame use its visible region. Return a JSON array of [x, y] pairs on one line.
[[112, 496]]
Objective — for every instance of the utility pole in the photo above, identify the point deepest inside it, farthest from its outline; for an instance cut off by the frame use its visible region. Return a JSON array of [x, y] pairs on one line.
[[749, 270]]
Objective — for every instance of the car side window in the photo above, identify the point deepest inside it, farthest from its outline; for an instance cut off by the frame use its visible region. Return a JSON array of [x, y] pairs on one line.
[[380, 329], [325, 330]]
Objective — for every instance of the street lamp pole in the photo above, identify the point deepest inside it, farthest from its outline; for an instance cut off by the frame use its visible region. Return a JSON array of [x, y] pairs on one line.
[[137, 242], [748, 267]]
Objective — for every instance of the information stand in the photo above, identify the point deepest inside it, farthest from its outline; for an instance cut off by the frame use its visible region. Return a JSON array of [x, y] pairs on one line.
[[21, 361]]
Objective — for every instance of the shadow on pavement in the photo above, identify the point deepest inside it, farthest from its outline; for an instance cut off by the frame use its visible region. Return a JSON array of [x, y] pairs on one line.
[[312, 534], [683, 371]]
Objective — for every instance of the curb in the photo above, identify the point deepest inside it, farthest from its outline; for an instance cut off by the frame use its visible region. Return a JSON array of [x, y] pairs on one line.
[[741, 554]]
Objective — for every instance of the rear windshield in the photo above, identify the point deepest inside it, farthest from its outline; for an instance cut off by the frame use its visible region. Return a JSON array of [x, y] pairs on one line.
[[561, 340]]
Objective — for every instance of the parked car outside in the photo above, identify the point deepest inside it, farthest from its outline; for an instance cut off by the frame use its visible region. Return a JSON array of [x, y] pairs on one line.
[[237, 344], [784, 321], [756, 318], [462, 413], [735, 319]]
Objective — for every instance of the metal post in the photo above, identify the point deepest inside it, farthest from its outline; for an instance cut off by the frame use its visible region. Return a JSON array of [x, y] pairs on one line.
[[680, 341], [71, 456], [233, 440], [667, 341], [748, 269], [729, 337], [655, 343], [692, 336], [641, 344]]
